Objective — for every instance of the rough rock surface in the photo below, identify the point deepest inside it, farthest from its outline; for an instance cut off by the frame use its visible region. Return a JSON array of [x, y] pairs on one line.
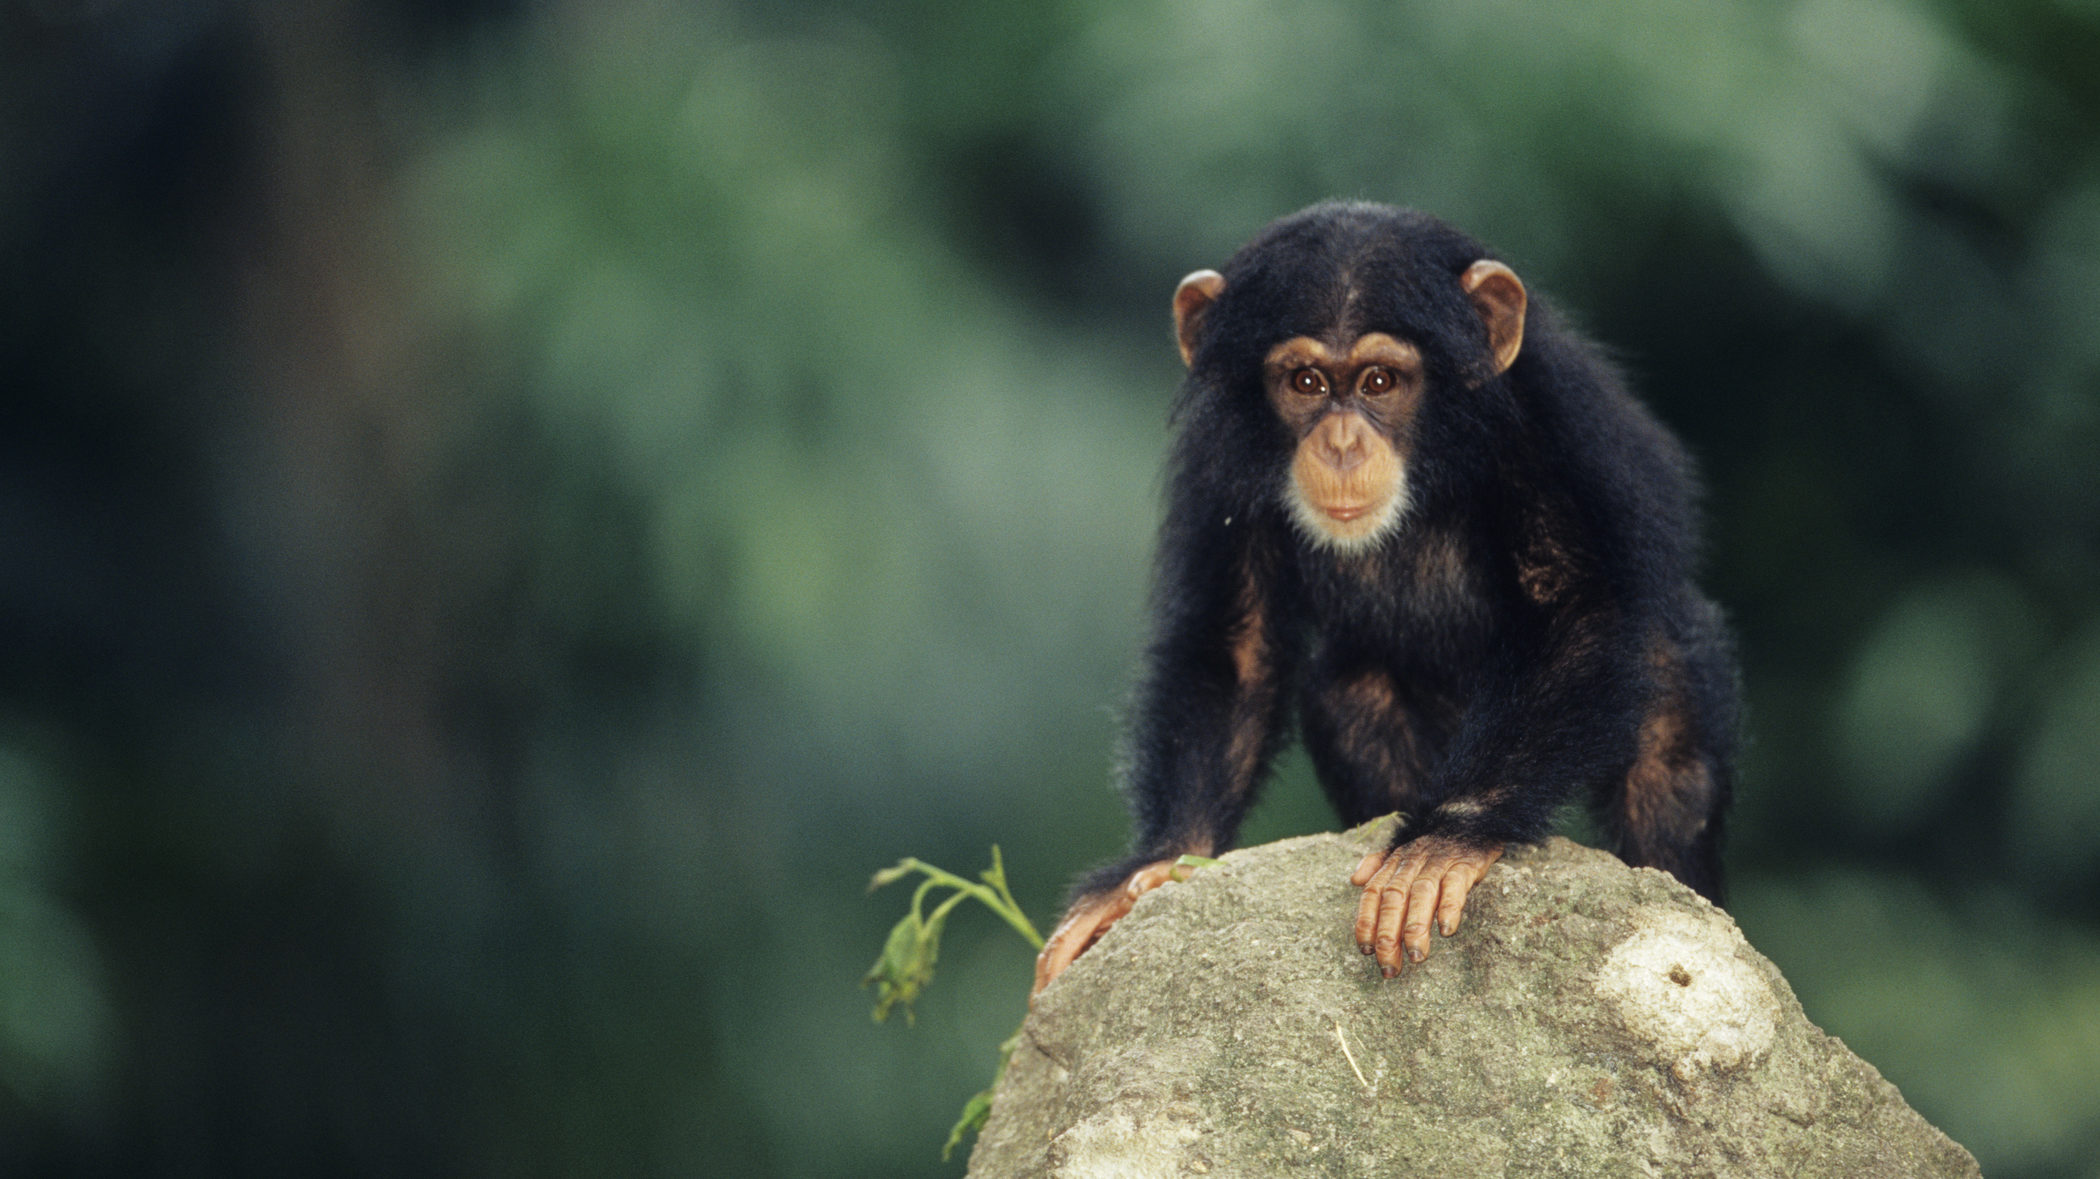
[[1588, 1019]]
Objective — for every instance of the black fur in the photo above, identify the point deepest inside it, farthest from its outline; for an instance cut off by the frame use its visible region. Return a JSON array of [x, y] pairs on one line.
[[1432, 675]]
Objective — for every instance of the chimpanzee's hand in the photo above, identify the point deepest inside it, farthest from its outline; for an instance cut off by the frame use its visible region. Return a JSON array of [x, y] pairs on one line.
[[1403, 887], [1090, 918]]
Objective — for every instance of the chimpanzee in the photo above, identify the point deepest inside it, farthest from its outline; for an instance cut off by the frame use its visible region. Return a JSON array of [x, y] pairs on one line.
[[1413, 515]]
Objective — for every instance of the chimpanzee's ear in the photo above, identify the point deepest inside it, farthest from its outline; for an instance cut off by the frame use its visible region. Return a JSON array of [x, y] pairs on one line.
[[1191, 299], [1498, 296]]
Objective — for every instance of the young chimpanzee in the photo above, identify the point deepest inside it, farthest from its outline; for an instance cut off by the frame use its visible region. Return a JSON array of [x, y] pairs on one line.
[[1425, 521]]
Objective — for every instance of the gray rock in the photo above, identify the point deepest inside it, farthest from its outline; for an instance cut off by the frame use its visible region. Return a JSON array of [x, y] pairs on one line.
[[1588, 1019]]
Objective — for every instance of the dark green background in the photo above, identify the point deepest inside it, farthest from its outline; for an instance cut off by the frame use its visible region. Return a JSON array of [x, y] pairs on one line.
[[509, 512]]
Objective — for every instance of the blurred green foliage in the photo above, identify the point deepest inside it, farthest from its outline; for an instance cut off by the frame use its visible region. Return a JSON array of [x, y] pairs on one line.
[[513, 510]]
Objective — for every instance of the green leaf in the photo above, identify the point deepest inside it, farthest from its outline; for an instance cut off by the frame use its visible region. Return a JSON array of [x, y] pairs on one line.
[[1178, 873], [978, 1108], [893, 874], [903, 970], [975, 1111]]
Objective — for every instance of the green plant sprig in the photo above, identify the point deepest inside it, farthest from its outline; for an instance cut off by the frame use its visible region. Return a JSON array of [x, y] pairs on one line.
[[906, 965]]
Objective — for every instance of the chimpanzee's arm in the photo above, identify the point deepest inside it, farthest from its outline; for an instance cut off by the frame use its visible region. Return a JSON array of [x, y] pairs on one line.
[[1207, 720]]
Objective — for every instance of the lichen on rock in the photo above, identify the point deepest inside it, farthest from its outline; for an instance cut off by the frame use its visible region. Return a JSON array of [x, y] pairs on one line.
[[1683, 984]]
